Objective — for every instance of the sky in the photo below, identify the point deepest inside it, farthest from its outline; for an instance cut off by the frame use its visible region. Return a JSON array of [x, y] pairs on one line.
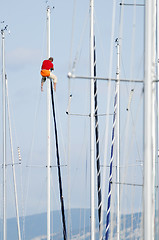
[[25, 49]]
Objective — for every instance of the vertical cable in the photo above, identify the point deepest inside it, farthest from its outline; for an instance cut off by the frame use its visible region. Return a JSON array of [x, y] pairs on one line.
[[58, 166], [13, 162]]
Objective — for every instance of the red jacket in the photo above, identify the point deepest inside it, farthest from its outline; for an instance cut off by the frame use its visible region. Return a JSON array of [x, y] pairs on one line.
[[47, 65]]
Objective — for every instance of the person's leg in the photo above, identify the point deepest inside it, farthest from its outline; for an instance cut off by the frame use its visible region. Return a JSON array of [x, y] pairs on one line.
[[52, 76], [42, 82]]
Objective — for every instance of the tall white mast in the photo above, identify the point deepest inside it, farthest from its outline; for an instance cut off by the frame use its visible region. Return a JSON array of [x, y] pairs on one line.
[[92, 158], [4, 139], [5, 96], [154, 119], [118, 137], [157, 77], [148, 153], [48, 128]]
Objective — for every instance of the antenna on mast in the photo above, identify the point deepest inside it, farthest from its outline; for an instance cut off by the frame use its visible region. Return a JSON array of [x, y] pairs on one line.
[[48, 5], [5, 28]]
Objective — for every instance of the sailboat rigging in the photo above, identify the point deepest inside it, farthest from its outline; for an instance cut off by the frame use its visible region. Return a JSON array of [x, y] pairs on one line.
[[126, 147], [149, 141], [50, 99], [58, 166], [6, 106]]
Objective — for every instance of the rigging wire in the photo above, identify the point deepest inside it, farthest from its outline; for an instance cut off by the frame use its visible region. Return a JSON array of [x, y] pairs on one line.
[[109, 93], [73, 27], [133, 192], [129, 107], [58, 163], [79, 49], [33, 140], [73, 67], [13, 162], [68, 133]]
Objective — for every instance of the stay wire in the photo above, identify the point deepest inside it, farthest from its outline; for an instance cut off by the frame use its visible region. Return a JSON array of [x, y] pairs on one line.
[[58, 165]]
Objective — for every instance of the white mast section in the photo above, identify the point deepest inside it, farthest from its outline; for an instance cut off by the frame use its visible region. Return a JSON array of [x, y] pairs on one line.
[[92, 135], [118, 137], [48, 128], [4, 139], [157, 77], [154, 119], [148, 153], [14, 178]]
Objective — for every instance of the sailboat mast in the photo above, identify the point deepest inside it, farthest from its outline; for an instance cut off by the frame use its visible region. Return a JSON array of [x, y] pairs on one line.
[[118, 137], [4, 138], [48, 128], [154, 119], [157, 77], [92, 135], [148, 153]]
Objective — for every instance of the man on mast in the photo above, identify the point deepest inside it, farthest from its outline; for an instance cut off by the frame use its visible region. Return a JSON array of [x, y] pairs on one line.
[[46, 68]]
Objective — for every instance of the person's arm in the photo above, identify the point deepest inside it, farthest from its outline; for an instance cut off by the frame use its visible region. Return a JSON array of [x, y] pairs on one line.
[[52, 68]]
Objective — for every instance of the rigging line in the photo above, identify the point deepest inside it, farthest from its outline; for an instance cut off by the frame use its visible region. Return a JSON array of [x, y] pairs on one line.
[[82, 115], [109, 79], [129, 149], [61, 132], [133, 41], [79, 50], [99, 39], [68, 124], [132, 4], [58, 163], [76, 114], [82, 149], [69, 103], [13, 162], [109, 89], [130, 98], [129, 184], [97, 143], [40, 166], [88, 115], [133, 165], [30, 158], [133, 124], [73, 27], [111, 168]]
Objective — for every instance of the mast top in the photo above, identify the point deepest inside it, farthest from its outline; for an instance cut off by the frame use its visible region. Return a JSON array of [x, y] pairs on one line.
[[4, 29], [48, 5]]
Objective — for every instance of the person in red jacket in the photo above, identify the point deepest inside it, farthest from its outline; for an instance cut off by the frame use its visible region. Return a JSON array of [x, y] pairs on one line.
[[46, 68]]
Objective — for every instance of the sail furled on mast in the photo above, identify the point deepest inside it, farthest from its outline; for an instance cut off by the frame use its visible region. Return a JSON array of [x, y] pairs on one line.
[[58, 166], [97, 142]]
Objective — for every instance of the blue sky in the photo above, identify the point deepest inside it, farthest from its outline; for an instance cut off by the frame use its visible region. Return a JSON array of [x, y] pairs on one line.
[[25, 48]]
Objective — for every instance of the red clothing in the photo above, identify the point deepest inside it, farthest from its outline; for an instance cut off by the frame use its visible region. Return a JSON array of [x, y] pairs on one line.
[[47, 65]]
